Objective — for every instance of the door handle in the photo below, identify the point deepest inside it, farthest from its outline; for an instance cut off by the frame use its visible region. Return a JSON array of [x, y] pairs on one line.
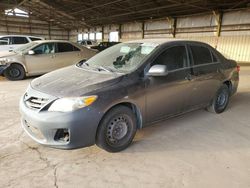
[[188, 77]]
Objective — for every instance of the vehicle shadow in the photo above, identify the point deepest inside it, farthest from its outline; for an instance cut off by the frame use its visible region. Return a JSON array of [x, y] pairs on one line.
[[199, 130], [2, 78]]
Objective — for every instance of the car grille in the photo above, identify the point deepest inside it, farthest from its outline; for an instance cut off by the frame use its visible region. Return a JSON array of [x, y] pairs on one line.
[[36, 103]]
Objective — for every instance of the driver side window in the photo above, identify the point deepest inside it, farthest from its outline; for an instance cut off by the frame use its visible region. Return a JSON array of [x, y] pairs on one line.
[[174, 58], [47, 48]]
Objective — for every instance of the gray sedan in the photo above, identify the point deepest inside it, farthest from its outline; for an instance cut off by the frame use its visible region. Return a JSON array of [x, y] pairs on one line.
[[131, 85]]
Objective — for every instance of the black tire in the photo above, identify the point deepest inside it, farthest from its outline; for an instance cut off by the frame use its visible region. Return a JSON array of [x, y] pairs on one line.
[[117, 129], [220, 101], [14, 72]]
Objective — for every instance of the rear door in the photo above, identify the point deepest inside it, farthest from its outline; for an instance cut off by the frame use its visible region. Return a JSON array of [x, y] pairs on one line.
[[66, 54], [167, 95], [205, 74], [18, 41], [43, 59]]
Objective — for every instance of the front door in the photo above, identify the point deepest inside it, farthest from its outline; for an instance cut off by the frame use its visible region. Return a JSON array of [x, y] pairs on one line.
[[43, 59], [167, 95]]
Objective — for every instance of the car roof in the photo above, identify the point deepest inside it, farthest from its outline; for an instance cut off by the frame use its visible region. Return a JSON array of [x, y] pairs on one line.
[[162, 41], [42, 41], [19, 36]]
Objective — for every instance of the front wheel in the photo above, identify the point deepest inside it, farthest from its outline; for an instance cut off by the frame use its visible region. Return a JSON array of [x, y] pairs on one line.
[[117, 129], [220, 101], [14, 72]]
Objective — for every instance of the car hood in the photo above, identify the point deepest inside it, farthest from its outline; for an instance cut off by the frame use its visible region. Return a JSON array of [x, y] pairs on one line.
[[73, 82], [4, 54]]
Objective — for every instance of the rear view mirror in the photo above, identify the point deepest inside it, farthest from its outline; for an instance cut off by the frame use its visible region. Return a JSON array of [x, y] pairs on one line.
[[31, 52], [158, 70]]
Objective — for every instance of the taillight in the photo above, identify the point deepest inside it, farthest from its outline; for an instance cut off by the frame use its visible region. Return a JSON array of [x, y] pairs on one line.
[[238, 68]]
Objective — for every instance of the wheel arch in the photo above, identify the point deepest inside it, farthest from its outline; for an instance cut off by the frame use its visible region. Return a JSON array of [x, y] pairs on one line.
[[228, 83], [17, 63], [135, 109]]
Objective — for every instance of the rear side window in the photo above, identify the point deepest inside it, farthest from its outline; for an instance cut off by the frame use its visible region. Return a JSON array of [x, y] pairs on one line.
[[34, 39], [201, 55], [66, 47], [19, 40], [3, 42], [7, 39], [174, 58]]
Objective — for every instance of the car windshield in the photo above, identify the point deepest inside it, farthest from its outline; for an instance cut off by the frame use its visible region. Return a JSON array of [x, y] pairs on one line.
[[124, 57], [24, 48]]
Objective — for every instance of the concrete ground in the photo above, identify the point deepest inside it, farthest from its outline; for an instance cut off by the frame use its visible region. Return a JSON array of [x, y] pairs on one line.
[[199, 149]]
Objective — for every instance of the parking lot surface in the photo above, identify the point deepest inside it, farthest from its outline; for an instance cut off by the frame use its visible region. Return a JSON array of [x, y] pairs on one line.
[[198, 149]]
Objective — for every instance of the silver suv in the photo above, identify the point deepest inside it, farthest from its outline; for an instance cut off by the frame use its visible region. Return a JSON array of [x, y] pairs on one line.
[[9, 42]]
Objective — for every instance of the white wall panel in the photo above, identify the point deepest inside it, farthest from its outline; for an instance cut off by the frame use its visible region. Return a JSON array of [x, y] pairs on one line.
[[238, 17], [235, 47], [157, 29], [131, 31], [196, 21], [156, 25]]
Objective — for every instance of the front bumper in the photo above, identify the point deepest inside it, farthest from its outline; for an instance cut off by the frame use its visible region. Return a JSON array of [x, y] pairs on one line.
[[45, 127], [2, 68]]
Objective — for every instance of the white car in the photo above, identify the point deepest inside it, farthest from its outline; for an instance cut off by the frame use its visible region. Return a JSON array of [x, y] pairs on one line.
[[10, 42], [87, 43]]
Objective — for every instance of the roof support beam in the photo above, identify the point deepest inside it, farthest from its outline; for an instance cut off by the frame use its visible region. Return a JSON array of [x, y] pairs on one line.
[[143, 29], [137, 12], [218, 18], [172, 22], [98, 6]]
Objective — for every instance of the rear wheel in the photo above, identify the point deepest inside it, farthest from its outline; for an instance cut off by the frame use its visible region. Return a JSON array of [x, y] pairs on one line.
[[220, 101], [117, 129], [14, 72]]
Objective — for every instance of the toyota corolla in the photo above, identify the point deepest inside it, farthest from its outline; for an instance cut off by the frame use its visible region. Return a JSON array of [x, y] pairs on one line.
[[107, 98]]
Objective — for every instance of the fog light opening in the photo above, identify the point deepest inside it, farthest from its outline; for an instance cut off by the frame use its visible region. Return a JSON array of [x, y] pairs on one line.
[[62, 135]]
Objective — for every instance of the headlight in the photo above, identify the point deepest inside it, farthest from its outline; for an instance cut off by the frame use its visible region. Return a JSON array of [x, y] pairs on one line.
[[71, 104], [4, 61]]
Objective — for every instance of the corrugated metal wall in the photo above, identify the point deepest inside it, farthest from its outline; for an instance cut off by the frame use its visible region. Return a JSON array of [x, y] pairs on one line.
[[234, 39], [130, 31], [25, 26], [233, 42], [157, 29], [236, 47]]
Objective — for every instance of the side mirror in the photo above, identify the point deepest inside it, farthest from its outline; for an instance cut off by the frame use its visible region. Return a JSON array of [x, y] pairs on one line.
[[31, 52], [158, 70]]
